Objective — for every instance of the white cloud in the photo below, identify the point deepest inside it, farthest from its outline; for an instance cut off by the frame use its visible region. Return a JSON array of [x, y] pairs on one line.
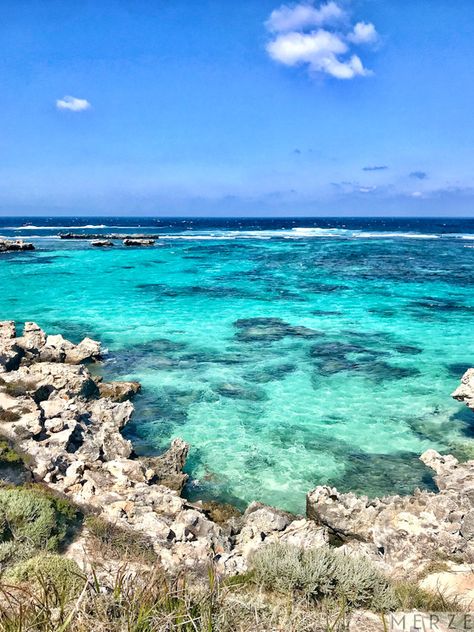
[[73, 104], [363, 33], [299, 16], [324, 50], [319, 49]]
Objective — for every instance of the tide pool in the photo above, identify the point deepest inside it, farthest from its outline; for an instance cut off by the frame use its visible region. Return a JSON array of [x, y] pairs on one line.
[[285, 363]]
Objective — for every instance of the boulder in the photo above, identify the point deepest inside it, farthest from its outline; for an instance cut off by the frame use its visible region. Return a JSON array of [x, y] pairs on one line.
[[138, 242], [33, 339], [102, 243], [118, 391], [87, 350], [168, 467]]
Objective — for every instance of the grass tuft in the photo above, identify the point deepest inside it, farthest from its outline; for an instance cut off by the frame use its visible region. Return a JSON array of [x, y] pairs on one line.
[[324, 573]]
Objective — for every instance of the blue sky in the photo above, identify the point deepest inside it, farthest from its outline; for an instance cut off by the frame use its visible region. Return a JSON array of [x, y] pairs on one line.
[[256, 107]]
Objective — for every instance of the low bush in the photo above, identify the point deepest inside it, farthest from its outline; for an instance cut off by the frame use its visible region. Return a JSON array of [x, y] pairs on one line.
[[8, 455], [54, 575], [31, 519], [324, 573]]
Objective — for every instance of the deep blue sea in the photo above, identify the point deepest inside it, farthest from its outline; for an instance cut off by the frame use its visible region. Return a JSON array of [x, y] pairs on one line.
[[287, 352]]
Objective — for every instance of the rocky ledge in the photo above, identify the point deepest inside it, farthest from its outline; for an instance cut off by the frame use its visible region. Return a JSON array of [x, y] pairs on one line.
[[13, 245], [69, 424]]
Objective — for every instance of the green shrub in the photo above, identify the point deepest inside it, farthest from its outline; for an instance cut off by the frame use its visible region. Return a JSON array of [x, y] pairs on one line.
[[8, 455], [57, 576], [323, 573], [31, 519]]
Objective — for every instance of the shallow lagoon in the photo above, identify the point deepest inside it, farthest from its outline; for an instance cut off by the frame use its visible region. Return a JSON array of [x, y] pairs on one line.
[[286, 361]]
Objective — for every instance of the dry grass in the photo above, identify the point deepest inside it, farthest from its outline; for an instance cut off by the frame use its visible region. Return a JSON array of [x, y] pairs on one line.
[[154, 603], [112, 542]]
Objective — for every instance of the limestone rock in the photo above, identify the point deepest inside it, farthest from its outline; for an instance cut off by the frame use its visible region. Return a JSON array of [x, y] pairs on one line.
[[33, 339], [7, 329], [8, 245], [456, 583], [404, 532], [168, 467], [102, 243], [118, 391], [87, 350], [44, 378], [465, 391], [138, 242]]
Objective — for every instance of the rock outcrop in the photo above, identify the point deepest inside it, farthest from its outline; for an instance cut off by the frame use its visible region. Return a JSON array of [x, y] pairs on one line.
[[14, 245], [465, 391], [138, 242], [35, 346], [102, 243]]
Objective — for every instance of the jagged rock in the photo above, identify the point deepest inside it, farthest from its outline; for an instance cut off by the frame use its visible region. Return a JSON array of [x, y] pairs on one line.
[[168, 467], [44, 378], [87, 350], [465, 391], [57, 406], [55, 349], [102, 243], [138, 242], [405, 532], [10, 355], [10, 352], [8, 245], [58, 349], [7, 329], [33, 339], [118, 391]]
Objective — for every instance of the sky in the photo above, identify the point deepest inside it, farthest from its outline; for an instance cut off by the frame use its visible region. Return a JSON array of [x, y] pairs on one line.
[[256, 107]]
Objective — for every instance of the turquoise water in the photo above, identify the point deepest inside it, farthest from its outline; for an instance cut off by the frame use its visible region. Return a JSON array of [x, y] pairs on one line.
[[286, 360]]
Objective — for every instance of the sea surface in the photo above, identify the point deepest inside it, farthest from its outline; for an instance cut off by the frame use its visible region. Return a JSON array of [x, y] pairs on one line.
[[288, 352]]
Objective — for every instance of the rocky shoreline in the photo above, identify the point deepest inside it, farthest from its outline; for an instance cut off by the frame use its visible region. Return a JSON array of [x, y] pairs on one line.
[[68, 424]]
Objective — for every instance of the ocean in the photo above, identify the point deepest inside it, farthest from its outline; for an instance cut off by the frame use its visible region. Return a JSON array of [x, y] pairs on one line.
[[289, 353]]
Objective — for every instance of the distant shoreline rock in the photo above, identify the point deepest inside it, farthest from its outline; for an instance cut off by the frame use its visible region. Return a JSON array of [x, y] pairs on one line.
[[107, 236], [14, 245]]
